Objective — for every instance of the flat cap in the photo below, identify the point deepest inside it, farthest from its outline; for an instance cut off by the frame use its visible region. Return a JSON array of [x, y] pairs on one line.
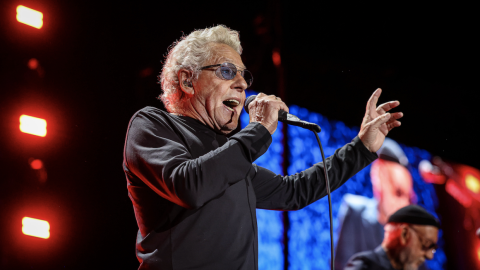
[[414, 214]]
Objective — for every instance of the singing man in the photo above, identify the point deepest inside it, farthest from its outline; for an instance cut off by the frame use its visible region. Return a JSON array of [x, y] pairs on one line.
[[195, 191]]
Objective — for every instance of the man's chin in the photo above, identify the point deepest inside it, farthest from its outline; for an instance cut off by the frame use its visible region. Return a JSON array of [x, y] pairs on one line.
[[228, 128]]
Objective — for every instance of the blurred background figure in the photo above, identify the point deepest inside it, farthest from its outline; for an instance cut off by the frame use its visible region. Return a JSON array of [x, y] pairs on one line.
[[411, 236], [362, 219]]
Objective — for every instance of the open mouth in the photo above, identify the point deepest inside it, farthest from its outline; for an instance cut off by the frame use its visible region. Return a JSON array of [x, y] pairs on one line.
[[231, 104]]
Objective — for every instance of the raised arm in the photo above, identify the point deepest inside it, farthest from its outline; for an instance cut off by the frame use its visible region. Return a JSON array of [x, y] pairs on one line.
[[299, 190]]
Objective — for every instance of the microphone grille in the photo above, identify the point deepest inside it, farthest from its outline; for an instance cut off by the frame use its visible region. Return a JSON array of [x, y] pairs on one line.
[[248, 101]]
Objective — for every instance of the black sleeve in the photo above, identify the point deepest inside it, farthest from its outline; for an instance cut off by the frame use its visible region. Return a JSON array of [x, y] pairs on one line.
[[357, 263], [297, 191], [156, 155]]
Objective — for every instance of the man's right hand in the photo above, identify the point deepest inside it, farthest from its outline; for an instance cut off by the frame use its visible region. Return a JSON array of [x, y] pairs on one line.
[[264, 110]]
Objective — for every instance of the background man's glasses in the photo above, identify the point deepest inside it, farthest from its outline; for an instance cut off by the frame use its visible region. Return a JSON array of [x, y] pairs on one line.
[[228, 71], [433, 246]]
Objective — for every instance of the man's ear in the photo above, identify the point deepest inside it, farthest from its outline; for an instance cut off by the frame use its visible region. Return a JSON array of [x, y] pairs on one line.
[[404, 236], [185, 81]]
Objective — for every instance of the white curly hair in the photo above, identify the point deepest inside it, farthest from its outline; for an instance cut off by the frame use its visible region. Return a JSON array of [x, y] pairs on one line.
[[190, 53]]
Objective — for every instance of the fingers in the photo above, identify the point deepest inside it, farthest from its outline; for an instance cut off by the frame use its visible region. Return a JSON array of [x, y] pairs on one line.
[[283, 106], [264, 110], [382, 119], [260, 95], [272, 100], [382, 109], [252, 107], [389, 119], [392, 125], [260, 111], [394, 117], [372, 102], [387, 106]]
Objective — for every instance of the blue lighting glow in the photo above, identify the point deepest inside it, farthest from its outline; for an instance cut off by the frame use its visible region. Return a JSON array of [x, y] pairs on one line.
[[309, 237]]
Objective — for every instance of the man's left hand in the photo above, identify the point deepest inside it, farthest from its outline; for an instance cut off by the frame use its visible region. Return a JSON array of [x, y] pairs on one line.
[[377, 122]]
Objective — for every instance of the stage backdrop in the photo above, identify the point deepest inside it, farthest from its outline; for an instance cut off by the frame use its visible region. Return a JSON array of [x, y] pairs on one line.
[[308, 235]]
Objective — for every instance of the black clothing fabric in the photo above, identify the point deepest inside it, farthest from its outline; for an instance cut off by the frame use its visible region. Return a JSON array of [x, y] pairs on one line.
[[195, 192], [370, 260], [359, 229]]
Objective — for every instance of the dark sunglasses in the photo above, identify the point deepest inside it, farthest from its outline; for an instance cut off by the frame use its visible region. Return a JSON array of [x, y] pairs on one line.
[[228, 71], [433, 246]]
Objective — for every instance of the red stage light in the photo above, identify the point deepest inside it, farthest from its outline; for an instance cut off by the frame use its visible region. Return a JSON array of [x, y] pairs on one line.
[[276, 58], [30, 16], [36, 164], [453, 189], [32, 63], [33, 125], [36, 227], [472, 183], [431, 173]]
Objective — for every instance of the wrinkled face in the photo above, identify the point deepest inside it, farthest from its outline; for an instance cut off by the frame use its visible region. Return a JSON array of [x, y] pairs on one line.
[[393, 186], [419, 247], [219, 101]]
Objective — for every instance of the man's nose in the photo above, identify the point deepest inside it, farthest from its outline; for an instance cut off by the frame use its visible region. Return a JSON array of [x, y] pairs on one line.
[[240, 83], [429, 254]]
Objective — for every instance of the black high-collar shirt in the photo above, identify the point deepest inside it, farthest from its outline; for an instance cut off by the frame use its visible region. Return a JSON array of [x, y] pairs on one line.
[[194, 191]]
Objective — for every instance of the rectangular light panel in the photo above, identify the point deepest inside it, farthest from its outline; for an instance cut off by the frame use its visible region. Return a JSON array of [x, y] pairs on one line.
[[33, 125], [36, 227], [29, 16]]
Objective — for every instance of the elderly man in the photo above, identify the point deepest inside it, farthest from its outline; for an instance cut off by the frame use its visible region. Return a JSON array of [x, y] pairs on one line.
[[411, 236], [194, 190]]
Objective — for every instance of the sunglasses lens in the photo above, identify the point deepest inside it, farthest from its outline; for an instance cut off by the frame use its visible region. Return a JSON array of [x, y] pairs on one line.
[[228, 71], [248, 77]]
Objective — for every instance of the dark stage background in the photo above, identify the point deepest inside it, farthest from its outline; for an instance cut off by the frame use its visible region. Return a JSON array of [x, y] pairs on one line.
[[98, 65]]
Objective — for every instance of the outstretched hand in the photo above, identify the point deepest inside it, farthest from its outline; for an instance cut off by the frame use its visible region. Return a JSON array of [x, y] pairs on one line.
[[377, 122]]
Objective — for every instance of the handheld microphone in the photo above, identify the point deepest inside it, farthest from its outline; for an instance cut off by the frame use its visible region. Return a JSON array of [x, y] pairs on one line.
[[288, 118]]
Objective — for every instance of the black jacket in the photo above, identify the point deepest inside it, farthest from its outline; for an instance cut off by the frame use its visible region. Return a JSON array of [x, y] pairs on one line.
[[195, 192], [370, 260]]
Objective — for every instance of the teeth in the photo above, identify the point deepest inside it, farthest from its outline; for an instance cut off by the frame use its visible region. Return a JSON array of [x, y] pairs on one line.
[[233, 101], [230, 108]]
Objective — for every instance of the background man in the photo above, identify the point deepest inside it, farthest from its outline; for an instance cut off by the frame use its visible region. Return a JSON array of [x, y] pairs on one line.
[[362, 219], [194, 190], [411, 236]]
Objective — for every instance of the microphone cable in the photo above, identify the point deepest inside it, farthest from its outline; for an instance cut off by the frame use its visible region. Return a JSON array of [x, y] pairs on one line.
[[290, 119], [332, 263]]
